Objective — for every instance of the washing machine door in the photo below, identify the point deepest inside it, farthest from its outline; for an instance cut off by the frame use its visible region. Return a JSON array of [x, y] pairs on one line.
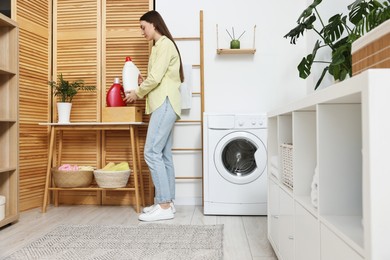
[[240, 157]]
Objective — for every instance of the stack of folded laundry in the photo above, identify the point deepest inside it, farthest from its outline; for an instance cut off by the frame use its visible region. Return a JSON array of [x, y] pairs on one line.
[[314, 189], [274, 168]]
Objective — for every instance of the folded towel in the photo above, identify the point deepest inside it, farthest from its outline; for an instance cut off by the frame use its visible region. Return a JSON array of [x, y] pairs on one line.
[[314, 189], [186, 87], [68, 167]]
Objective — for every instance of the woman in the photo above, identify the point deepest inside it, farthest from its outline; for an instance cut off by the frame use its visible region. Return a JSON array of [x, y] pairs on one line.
[[161, 89]]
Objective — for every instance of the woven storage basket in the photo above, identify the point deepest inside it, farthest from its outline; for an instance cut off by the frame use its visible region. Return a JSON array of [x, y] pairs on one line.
[[72, 179], [111, 179], [287, 165]]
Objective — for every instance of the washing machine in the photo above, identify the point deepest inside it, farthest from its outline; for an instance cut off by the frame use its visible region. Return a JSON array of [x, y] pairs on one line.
[[235, 164]]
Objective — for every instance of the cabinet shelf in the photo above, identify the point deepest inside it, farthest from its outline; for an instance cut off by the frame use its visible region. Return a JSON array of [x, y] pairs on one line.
[[94, 188], [4, 71], [236, 51], [6, 170], [350, 228], [305, 202], [7, 120]]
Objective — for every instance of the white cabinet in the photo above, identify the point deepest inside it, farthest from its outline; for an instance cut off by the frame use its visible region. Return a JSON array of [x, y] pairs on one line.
[[286, 226], [273, 213], [342, 133], [332, 247], [306, 235]]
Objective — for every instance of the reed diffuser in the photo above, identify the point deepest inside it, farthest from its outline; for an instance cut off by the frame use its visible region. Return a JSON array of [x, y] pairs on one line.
[[234, 43]]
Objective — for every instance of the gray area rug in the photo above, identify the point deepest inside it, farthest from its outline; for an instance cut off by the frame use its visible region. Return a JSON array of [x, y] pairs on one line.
[[145, 241]]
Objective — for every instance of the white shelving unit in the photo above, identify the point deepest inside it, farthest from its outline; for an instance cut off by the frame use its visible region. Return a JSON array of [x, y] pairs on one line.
[[344, 131]]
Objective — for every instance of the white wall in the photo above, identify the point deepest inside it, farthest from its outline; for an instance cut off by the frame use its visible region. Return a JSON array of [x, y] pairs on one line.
[[243, 83], [236, 83]]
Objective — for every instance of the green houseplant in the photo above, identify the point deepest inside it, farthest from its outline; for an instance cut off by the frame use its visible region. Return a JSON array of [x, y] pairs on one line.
[[337, 35], [65, 91]]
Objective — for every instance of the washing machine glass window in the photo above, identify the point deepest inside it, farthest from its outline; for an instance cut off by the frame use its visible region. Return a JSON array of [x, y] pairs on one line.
[[240, 157]]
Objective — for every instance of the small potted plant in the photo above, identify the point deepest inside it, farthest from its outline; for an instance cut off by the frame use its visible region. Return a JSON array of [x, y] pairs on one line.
[[234, 43], [65, 91]]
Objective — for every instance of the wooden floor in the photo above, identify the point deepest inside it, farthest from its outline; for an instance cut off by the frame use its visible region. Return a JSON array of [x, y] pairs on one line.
[[244, 237]]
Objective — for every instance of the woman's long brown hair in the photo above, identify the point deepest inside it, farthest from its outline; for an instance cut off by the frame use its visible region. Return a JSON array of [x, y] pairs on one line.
[[155, 18]]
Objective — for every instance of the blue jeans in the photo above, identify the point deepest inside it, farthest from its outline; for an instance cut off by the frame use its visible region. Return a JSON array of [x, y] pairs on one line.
[[158, 153]]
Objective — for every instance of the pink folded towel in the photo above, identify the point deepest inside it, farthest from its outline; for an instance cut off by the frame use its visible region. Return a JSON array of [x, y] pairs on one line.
[[68, 167]]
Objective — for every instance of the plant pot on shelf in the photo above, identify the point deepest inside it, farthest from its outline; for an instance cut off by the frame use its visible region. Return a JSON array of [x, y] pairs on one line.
[[234, 44], [63, 109]]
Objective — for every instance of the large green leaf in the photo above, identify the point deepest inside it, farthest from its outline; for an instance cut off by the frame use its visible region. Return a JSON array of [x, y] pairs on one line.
[[304, 67], [334, 29], [358, 10], [300, 29], [366, 15], [321, 77], [308, 11], [341, 64]]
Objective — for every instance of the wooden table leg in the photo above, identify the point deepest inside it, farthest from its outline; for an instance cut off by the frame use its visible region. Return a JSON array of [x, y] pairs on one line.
[[133, 154], [58, 163], [48, 171], [141, 178]]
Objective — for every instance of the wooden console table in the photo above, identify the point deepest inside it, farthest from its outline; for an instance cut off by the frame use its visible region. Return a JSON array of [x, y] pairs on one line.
[[83, 126]]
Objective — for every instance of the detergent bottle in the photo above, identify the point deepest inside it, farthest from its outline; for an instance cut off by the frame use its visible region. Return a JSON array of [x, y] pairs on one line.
[[130, 74], [115, 95]]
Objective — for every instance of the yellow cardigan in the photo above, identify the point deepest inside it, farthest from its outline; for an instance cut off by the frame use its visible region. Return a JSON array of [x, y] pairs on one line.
[[163, 78]]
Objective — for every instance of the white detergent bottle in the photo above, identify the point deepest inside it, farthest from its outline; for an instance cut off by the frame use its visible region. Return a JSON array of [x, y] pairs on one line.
[[130, 74]]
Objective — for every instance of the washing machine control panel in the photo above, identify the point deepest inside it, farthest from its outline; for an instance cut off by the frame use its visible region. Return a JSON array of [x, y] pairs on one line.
[[250, 121]]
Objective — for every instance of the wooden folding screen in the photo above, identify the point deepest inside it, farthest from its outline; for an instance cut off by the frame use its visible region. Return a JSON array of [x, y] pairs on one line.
[[90, 41], [33, 18]]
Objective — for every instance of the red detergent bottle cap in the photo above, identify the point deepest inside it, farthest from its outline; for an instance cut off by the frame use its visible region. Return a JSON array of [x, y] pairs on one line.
[[128, 59]]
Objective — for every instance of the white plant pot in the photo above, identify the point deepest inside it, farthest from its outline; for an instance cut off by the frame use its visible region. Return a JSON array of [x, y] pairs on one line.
[[63, 109]]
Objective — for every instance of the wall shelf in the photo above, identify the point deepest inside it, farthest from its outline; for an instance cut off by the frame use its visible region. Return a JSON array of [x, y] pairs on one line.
[[236, 51]]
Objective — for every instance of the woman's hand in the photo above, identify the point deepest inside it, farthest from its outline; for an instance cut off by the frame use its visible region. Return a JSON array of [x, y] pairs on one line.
[[130, 96], [140, 79]]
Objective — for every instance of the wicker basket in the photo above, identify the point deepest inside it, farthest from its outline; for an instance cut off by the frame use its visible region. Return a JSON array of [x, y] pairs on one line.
[[111, 179], [287, 165], [72, 179]]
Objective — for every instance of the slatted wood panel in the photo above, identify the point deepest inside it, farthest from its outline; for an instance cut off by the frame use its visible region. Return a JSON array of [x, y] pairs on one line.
[[374, 55], [122, 37], [91, 40], [34, 61], [76, 54]]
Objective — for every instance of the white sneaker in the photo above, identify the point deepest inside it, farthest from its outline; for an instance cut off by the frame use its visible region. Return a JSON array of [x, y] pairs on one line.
[[147, 209], [157, 213]]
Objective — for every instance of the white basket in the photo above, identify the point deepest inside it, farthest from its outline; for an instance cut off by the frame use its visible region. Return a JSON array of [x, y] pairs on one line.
[[287, 165], [111, 179]]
